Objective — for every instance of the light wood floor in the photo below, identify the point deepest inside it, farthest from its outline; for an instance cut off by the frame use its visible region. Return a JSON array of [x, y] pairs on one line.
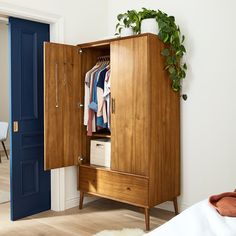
[[4, 174], [94, 217]]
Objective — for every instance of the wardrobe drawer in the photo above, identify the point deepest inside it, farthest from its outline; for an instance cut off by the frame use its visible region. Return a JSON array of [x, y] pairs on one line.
[[114, 185]]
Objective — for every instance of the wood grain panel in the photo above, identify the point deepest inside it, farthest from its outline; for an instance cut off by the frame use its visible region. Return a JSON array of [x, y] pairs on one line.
[[62, 117], [164, 132], [118, 186], [129, 86]]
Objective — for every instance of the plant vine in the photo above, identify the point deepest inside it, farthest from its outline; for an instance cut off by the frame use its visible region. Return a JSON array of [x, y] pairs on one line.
[[169, 34]]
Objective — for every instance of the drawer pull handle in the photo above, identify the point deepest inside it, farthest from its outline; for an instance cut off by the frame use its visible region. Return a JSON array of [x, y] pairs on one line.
[[128, 188], [56, 87], [113, 105]]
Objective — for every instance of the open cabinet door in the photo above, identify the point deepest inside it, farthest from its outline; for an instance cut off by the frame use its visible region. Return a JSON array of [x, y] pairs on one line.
[[62, 112]]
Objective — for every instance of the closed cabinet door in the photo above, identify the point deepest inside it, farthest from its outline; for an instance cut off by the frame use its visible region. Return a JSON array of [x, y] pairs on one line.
[[129, 105], [62, 113]]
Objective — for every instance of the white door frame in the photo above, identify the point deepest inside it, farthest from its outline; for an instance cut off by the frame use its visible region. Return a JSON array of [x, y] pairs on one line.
[[56, 35]]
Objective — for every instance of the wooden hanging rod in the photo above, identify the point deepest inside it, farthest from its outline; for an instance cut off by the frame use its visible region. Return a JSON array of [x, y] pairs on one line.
[[104, 58]]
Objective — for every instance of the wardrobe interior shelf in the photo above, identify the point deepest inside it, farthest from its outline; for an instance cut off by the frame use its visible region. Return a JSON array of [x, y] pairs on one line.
[[96, 167], [101, 135]]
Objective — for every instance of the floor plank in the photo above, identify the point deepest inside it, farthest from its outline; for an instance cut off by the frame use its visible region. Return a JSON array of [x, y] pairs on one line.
[[94, 217], [4, 174]]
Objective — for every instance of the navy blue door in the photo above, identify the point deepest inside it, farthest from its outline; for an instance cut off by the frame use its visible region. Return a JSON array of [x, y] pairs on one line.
[[30, 184]]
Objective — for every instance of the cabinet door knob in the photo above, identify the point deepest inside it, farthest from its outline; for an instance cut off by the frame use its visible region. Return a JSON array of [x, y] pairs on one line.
[[56, 87], [80, 160], [80, 105]]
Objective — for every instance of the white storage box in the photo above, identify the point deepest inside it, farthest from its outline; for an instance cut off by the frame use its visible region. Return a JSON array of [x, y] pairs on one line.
[[100, 152]]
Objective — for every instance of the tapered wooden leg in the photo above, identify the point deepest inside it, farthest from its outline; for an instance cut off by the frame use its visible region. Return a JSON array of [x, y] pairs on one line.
[[176, 206], [0, 158], [5, 149], [81, 199], [147, 218]]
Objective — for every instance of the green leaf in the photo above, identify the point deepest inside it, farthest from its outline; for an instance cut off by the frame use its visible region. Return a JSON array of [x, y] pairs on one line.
[[182, 74], [165, 52], [126, 22], [120, 16], [183, 38], [167, 67], [178, 52], [185, 66], [171, 38], [182, 48], [176, 86], [172, 18], [171, 70], [166, 38], [118, 24], [169, 60], [185, 97], [176, 83]]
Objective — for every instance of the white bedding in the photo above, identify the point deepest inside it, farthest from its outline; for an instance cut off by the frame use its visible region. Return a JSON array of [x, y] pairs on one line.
[[200, 219]]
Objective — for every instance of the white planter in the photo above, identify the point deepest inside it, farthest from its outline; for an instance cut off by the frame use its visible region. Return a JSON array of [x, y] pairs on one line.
[[149, 26], [126, 32]]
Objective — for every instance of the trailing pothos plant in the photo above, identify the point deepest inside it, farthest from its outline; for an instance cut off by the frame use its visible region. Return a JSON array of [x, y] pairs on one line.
[[169, 33], [128, 19], [174, 51]]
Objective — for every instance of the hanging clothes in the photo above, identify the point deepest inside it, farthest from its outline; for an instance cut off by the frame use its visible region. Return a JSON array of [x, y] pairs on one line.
[[95, 110], [101, 113], [107, 97]]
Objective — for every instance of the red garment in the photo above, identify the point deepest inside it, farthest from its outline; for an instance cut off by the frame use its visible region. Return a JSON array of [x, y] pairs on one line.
[[225, 203], [91, 113]]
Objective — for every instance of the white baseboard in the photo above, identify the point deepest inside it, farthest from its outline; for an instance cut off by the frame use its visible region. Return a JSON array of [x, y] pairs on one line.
[[74, 202], [168, 206]]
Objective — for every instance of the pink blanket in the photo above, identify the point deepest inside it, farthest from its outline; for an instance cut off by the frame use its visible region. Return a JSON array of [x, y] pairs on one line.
[[225, 203]]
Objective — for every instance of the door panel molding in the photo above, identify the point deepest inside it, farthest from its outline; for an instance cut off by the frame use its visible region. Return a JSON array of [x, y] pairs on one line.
[[29, 45], [32, 166], [31, 136]]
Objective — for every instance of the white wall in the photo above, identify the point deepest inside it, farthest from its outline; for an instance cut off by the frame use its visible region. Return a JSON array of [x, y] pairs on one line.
[[4, 86], [83, 21], [208, 116]]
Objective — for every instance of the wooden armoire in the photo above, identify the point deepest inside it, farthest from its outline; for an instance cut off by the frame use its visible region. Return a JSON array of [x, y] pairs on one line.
[[145, 121]]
